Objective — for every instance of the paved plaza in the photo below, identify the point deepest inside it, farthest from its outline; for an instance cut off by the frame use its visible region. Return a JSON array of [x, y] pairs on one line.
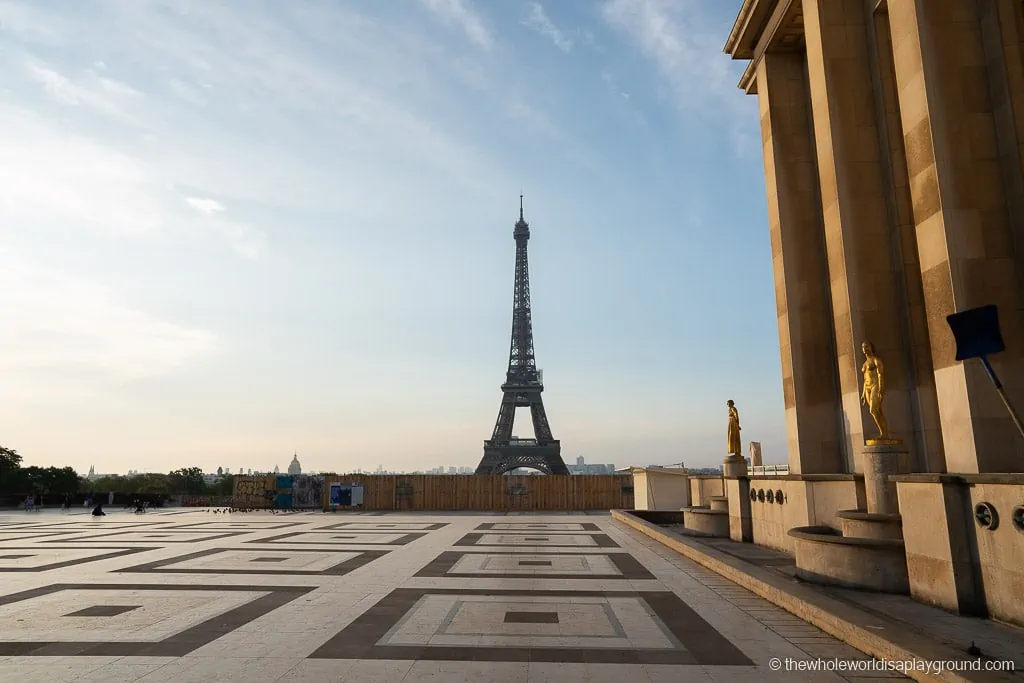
[[189, 595]]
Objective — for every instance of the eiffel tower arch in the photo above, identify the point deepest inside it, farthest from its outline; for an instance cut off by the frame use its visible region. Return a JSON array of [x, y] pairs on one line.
[[523, 386]]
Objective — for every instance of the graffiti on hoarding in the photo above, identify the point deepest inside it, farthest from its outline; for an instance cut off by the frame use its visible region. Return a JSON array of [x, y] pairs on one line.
[[248, 488]]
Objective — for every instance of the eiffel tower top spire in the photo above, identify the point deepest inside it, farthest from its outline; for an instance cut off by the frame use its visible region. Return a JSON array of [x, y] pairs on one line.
[[522, 229]]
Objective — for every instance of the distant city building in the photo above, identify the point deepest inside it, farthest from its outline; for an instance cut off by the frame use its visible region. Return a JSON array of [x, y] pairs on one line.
[[92, 476], [277, 470], [581, 467], [294, 468]]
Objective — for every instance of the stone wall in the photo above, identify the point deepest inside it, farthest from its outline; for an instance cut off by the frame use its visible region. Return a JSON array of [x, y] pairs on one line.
[[957, 560], [811, 500], [655, 489], [703, 487]]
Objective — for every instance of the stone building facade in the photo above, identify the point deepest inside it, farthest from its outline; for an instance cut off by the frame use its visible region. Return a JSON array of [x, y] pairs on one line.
[[892, 134]]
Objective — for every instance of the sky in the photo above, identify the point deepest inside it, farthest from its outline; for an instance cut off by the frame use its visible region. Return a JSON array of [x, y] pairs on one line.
[[231, 232]]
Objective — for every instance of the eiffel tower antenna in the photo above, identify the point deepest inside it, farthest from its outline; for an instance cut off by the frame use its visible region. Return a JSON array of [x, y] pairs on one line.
[[523, 385]]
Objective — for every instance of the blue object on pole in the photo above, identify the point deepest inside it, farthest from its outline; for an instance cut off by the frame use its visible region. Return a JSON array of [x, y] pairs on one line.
[[977, 335], [976, 331]]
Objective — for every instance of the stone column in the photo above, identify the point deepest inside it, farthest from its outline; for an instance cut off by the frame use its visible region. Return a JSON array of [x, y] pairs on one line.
[[1002, 22], [927, 446], [965, 240], [809, 374], [741, 525], [865, 301], [880, 461]]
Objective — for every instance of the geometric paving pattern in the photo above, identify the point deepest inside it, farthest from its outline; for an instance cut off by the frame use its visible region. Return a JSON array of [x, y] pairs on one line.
[[150, 536], [292, 562], [199, 596], [233, 526], [550, 527], [28, 535], [535, 626], [37, 559], [540, 539], [154, 620], [385, 526], [342, 538], [547, 566]]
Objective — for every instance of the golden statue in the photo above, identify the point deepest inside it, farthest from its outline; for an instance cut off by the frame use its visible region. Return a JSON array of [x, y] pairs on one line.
[[874, 393], [733, 433]]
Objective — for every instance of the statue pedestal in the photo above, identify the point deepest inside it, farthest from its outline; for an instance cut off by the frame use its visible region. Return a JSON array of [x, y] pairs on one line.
[[883, 457], [734, 466]]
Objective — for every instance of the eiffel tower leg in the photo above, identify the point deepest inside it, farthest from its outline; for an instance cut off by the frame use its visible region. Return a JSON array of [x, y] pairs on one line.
[[541, 428], [506, 418]]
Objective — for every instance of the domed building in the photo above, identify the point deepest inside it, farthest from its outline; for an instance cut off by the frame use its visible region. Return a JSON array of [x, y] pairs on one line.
[[294, 467]]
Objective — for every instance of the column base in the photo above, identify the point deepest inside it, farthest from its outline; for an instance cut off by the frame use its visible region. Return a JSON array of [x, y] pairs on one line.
[[880, 461], [734, 466]]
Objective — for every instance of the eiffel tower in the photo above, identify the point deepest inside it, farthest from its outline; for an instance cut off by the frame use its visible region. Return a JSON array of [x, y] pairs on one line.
[[523, 386]]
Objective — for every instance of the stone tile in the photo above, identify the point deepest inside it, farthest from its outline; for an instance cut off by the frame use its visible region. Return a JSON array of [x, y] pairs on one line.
[[383, 597], [339, 537], [41, 559], [295, 562]]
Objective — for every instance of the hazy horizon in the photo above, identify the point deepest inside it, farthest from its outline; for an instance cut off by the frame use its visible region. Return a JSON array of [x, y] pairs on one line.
[[230, 233]]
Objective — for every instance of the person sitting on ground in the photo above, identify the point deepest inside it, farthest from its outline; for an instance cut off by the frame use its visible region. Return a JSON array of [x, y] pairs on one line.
[[98, 511]]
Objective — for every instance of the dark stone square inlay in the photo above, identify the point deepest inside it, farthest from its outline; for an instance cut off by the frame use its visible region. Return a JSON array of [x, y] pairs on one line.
[[531, 617], [268, 559], [103, 611], [627, 566], [535, 538], [697, 641], [14, 557], [176, 645]]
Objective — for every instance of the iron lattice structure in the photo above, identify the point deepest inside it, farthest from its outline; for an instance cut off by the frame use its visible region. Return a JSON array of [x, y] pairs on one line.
[[523, 386]]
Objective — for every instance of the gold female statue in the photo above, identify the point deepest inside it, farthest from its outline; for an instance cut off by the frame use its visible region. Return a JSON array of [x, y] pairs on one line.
[[874, 388], [733, 433]]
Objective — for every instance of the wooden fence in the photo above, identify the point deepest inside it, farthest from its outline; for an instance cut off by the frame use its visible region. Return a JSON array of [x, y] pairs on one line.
[[504, 492]]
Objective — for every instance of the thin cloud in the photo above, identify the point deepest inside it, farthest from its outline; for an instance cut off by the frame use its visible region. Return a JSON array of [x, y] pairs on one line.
[[50, 176], [207, 207], [62, 324], [93, 91], [243, 239], [685, 46], [539, 21], [462, 14]]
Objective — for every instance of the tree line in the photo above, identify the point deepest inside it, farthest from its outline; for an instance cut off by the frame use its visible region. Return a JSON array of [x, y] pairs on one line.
[[17, 481]]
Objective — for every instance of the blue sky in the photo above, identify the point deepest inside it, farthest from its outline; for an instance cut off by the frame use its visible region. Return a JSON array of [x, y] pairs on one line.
[[230, 231]]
